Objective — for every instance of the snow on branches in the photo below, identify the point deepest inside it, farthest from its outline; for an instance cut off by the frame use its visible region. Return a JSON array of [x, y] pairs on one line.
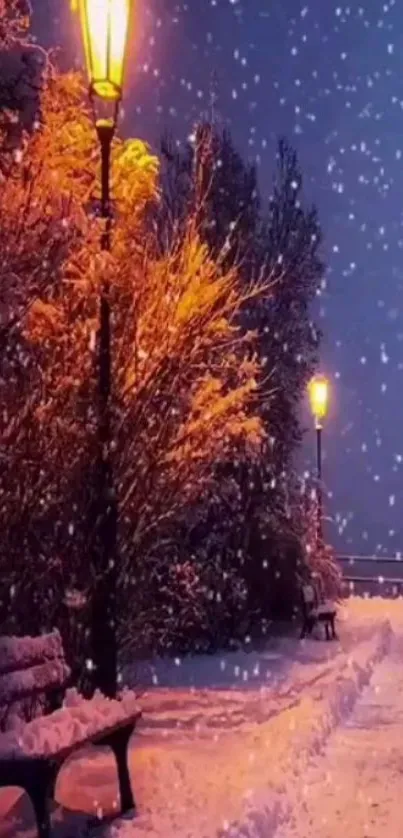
[[320, 558], [183, 374]]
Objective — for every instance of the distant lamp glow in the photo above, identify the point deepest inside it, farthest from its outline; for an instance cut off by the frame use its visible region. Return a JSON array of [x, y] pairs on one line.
[[318, 394], [105, 25]]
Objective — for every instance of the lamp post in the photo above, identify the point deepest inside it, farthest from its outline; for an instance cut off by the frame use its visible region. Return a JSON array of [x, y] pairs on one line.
[[105, 25], [318, 389]]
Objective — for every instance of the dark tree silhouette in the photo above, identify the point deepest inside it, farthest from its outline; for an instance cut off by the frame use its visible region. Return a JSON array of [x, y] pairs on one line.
[[281, 241], [278, 240]]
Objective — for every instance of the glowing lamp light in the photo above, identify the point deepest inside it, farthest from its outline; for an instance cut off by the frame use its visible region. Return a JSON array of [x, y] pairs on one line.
[[105, 26], [318, 395]]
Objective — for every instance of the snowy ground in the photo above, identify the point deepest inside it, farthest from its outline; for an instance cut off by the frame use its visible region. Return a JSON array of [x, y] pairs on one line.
[[233, 745], [356, 783]]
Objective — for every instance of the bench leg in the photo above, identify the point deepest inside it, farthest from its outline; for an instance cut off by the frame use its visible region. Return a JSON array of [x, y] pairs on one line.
[[330, 628], [307, 627], [119, 741], [38, 789], [40, 804]]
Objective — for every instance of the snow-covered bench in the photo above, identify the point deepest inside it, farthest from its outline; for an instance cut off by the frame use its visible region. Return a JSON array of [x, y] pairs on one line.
[[314, 611], [36, 738]]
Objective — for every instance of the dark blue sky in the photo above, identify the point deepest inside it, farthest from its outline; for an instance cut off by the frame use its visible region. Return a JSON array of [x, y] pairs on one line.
[[330, 76]]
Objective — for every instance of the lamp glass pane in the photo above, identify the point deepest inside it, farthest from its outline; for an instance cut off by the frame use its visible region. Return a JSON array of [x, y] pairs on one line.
[[318, 391], [94, 18], [105, 28], [119, 23]]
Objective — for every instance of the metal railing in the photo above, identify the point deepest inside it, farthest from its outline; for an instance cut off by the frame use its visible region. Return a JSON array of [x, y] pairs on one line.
[[384, 583], [359, 558]]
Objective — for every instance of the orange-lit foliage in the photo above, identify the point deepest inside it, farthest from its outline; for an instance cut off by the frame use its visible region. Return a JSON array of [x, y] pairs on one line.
[[183, 375], [14, 21]]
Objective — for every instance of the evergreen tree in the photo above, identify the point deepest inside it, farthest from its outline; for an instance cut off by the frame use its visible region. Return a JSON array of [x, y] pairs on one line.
[[280, 241]]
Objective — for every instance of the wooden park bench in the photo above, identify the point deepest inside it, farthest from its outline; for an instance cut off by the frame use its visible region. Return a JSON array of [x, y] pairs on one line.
[[316, 612], [33, 680]]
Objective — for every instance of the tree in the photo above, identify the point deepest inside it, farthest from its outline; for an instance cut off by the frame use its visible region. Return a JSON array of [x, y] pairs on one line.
[[290, 246], [209, 177], [279, 243], [22, 66], [184, 377]]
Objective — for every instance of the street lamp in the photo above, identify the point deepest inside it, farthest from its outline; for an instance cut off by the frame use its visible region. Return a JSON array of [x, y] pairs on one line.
[[105, 26], [318, 390]]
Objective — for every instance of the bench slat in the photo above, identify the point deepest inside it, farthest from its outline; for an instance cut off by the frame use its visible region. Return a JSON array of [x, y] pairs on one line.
[[19, 653], [65, 731], [42, 678]]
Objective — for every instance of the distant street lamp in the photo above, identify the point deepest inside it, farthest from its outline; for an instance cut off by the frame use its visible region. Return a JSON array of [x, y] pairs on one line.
[[318, 389], [105, 26]]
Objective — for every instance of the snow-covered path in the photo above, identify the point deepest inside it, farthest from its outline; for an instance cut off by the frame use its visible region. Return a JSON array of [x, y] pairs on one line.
[[356, 785], [230, 743]]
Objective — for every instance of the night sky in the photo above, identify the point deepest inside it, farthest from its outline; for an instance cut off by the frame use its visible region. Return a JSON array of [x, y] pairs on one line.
[[330, 77]]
